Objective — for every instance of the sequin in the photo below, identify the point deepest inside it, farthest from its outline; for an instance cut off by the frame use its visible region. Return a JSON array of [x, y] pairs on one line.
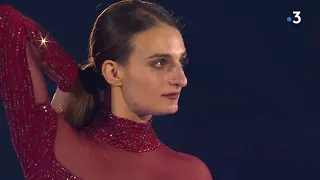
[[33, 125], [123, 133]]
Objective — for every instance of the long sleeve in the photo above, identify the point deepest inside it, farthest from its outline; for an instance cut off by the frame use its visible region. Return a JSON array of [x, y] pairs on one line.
[[110, 148], [26, 50]]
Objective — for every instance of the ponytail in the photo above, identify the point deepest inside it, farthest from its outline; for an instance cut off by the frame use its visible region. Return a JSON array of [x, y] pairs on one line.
[[85, 98]]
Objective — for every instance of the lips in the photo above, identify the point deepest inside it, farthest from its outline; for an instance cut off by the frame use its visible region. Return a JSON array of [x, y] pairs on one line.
[[173, 95]]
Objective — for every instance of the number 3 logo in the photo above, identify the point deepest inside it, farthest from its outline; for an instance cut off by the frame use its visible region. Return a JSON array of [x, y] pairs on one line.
[[297, 17]]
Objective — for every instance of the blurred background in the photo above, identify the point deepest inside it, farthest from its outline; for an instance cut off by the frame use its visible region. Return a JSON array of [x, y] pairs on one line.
[[251, 110]]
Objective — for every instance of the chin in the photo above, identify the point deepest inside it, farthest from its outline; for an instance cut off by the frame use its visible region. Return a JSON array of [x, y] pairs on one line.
[[167, 111], [173, 110]]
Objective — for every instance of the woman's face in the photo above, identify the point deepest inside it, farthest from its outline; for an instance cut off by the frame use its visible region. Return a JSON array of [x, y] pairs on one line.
[[153, 78]]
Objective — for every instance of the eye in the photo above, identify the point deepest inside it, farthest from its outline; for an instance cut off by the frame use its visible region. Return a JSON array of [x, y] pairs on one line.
[[160, 64], [184, 62]]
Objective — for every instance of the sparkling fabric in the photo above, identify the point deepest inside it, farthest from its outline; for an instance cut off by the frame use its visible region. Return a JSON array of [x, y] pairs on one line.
[[32, 125], [111, 148], [123, 133]]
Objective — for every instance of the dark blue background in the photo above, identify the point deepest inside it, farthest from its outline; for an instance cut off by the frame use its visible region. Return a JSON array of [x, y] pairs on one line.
[[252, 106]]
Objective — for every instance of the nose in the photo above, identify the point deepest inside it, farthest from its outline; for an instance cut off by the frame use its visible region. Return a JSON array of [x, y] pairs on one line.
[[178, 77]]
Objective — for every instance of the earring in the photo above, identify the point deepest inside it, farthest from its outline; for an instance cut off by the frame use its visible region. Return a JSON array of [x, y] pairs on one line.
[[60, 108]]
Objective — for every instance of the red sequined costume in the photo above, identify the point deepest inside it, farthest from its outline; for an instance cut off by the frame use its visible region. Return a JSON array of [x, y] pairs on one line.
[[111, 148]]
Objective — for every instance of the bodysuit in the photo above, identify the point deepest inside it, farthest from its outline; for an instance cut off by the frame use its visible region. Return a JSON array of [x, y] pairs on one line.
[[110, 148]]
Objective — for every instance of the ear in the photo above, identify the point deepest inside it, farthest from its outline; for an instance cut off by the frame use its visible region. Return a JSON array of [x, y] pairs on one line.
[[112, 72]]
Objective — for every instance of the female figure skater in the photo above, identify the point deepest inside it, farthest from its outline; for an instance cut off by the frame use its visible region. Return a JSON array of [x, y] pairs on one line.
[[98, 126]]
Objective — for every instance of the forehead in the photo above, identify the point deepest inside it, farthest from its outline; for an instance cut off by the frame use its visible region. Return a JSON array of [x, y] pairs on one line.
[[159, 39]]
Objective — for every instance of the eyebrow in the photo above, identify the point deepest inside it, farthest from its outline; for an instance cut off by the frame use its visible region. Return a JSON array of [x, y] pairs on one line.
[[158, 55]]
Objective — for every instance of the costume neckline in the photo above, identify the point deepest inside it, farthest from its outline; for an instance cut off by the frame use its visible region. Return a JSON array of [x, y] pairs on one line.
[[124, 133]]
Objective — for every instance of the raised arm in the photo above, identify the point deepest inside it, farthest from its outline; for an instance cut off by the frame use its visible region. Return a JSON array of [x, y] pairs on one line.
[[25, 50]]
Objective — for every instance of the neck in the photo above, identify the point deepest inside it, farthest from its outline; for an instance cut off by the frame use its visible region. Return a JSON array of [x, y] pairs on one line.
[[120, 108], [123, 133]]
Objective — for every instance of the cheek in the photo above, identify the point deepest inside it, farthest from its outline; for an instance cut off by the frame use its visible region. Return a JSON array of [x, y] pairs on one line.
[[143, 88], [145, 83]]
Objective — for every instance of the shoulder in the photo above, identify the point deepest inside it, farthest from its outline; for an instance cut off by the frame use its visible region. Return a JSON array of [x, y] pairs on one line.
[[198, 168], [191, 165]]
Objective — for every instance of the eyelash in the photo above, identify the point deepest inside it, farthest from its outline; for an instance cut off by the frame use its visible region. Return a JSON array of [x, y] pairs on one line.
[[183, 62], [159, 61]]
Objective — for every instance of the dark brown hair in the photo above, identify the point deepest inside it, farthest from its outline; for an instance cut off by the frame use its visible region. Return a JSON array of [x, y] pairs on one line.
[[110, 39]]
